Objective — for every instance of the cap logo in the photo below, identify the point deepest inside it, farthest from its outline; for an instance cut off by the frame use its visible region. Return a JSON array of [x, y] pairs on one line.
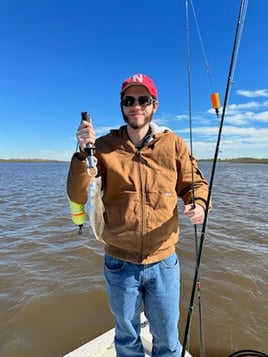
[[138, 78]]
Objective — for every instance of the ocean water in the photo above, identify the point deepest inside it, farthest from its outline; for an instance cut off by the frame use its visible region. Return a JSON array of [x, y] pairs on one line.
[[52, 292]]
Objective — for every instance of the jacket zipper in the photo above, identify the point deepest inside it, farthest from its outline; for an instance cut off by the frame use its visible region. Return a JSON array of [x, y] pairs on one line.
[[142, 201]]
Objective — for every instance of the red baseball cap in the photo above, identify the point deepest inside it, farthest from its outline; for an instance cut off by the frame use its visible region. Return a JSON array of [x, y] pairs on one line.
[[140, 80]]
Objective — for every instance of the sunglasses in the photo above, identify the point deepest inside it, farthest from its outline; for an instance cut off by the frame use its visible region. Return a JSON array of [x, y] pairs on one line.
[[143, 101]]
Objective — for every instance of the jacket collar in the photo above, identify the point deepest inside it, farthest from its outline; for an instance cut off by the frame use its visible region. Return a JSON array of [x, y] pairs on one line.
[[154, 130]]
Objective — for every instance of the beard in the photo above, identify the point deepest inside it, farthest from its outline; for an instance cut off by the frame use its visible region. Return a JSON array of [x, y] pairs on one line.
[[135, 125]]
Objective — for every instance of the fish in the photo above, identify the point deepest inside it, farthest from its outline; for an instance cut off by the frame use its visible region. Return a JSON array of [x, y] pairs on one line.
[[96, 207]]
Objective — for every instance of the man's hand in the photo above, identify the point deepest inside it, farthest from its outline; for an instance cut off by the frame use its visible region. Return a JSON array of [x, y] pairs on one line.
[[85, 134], [195, 215]]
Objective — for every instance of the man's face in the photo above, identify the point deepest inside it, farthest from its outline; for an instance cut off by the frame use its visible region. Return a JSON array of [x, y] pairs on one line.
[[141, 112]]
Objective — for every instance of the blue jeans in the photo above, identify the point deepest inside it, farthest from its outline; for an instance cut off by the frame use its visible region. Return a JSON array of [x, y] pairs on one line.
[[156, 286]]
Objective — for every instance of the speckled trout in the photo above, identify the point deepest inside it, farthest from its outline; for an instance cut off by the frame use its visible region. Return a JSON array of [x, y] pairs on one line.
[[96, 207]]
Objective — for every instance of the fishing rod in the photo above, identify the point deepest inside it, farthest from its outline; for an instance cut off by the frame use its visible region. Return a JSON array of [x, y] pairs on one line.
[[237, 38], [201, 336], [215, 101]]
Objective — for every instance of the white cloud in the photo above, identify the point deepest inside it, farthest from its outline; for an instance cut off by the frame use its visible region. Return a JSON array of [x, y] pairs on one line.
[[245, 113], [250, 133], [262, 117], [248, 105], [181, 117], [103, 130], [231, 147], [253, 93]]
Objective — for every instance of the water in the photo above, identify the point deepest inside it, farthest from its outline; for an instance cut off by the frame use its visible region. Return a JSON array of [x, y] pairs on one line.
[[52, 293]]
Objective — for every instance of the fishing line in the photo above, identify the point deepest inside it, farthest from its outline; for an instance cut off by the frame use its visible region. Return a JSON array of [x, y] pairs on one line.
[[189, 96], [202, 47], [237, 39], [214, 97]]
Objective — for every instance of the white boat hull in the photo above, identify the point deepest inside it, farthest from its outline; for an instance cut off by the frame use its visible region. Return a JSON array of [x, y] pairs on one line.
[[103, 345]]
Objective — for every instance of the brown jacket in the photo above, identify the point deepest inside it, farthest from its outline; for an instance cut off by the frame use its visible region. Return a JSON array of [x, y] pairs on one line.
[[141, 189]]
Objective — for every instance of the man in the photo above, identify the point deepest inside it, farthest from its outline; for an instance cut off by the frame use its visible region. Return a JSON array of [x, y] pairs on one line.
[[144, 169]]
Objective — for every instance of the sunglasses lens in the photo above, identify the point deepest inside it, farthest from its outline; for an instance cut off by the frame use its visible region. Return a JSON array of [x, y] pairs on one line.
[[145, 100], [129, 101]]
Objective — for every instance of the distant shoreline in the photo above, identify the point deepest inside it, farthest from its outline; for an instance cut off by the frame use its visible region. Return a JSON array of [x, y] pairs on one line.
[[241, 160], [32, 160]]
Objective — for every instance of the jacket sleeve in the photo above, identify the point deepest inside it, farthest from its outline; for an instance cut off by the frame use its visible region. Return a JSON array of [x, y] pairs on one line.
[[189, 171], [78, 179]]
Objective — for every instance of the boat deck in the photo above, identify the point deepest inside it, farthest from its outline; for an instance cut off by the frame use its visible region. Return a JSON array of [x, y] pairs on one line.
[[103, 345]]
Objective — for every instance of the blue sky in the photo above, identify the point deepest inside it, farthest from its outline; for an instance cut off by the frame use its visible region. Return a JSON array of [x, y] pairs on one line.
[[60, 57]]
